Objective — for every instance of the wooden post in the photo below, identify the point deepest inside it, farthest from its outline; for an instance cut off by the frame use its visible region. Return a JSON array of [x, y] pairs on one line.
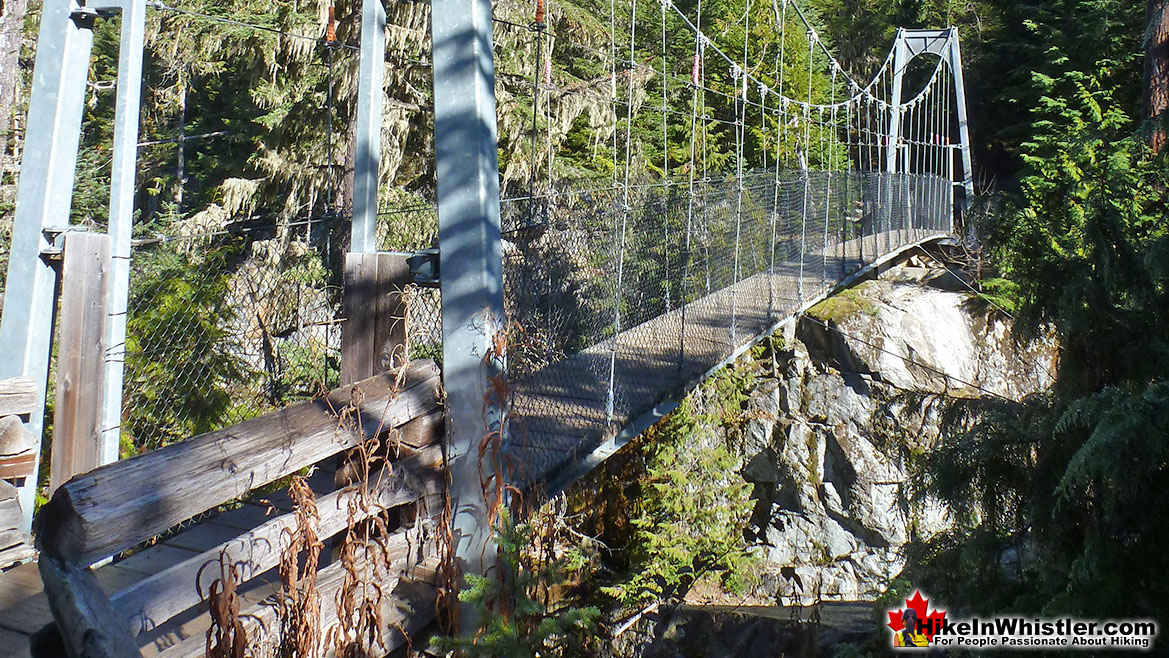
[[80, 357], [373, 337]]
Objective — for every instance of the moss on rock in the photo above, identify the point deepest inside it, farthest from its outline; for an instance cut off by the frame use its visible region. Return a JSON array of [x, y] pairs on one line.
[[845, 304]]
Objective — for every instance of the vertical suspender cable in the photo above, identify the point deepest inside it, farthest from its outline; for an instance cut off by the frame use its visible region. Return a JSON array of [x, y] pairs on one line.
[[665, 242], [625, 210], [705, 182], [665, 109], [548, 123], [849, 205], [694, 79], [740, 138], [828, 147], [805, 165], [537, 66], [331, 44], [740, 109], [826, 163], [774, 200], [779, 125]]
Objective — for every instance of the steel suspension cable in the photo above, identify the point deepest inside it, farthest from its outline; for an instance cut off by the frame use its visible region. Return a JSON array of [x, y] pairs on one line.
[[686, 256], [625, 210], [806, 167]]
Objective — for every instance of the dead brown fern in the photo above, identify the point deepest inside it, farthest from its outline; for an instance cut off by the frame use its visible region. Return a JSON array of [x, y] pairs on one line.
[[226, 637], [446, 603], [300, 603], [365, 552], [494, 480]]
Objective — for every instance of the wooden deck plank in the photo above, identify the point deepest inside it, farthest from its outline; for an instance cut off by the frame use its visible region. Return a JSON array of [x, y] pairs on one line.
[[13, 644], [156, 558], [113, 577], [203, 536], [25, 613], [247, 516]]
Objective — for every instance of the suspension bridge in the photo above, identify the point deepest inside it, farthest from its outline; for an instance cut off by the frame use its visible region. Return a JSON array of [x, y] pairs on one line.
[[728, 185]]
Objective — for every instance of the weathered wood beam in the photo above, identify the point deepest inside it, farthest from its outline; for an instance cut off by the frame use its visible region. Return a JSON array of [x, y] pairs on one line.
[[117, 506], [408, 602], [15, 439], [17, 466], [18, 395], [373, 335], [154, 600], [81, 349], [15, 545], [17, 448], [87, 623]]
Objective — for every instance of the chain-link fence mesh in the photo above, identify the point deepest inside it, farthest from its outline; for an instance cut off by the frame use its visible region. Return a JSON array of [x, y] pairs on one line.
[[408, 222], [623, 297], [224, 327]]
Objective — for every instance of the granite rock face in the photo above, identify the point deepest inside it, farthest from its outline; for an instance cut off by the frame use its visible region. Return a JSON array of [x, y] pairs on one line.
[[859, 387]]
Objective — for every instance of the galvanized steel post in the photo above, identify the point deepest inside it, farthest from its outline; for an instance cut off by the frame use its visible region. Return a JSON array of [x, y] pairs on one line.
[[370, 71], [121, 220], [900, 61], [963, 121], [43, 201], [471, 261]]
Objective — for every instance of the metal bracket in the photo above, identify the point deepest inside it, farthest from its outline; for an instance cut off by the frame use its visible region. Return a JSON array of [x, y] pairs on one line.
[[55, 236], [424, 268], [84, 17]]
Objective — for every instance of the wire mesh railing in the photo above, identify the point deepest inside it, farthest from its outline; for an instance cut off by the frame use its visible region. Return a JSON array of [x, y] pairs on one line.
[[237, 266], [619, 305], [224, 327]]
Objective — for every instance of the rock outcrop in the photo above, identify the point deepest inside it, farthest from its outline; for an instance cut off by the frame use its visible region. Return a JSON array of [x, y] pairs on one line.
[[856, 391]]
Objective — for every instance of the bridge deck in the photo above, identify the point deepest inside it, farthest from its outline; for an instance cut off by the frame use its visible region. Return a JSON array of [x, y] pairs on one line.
[[562, 412]]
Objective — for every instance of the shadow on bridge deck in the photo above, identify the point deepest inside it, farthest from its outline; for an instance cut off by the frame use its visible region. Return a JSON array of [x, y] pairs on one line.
[[571, 415]]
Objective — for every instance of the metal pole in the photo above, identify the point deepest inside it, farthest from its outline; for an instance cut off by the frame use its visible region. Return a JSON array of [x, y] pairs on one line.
[[950, 177], [963, 121], [471, 260], [121, 221], [42, 204], [893, 148], [899, 63], [369, 128]]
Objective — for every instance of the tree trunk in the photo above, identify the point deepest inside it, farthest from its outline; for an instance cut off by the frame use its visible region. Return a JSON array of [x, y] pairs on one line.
[[11, 27], [1157, 71]]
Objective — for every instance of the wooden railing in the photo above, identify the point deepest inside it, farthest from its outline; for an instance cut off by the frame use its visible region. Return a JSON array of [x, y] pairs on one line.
[[124, 505], [18, 447]]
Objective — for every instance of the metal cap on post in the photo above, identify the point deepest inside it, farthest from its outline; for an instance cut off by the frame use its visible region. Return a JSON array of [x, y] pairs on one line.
[[471, 260]]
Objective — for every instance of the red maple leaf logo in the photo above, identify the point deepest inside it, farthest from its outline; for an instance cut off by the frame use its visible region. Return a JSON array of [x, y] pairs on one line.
[[930, 622]]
